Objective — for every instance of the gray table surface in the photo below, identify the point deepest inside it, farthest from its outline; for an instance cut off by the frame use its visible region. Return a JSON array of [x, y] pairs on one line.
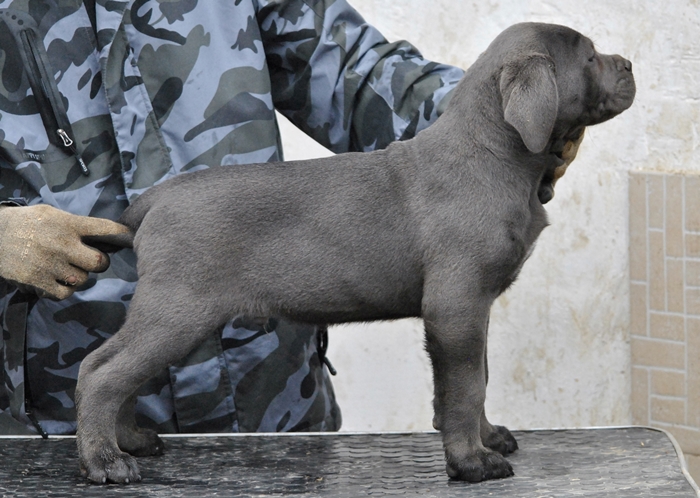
[[615, 462]]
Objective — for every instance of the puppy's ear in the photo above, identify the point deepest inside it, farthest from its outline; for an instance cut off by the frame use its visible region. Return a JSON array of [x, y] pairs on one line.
[[530, 98]]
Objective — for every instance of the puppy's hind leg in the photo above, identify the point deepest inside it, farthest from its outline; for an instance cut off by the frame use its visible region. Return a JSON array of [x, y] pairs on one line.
[[158, 331]]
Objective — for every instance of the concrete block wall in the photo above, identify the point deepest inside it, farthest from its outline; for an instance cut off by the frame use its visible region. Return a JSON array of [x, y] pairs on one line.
[[665, 306]]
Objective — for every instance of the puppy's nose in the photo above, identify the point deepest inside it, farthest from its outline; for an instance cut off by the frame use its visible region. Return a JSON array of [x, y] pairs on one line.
[[623, 64]]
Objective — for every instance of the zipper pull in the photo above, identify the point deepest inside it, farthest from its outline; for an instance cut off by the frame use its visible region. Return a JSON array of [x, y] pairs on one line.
[[68, 142]]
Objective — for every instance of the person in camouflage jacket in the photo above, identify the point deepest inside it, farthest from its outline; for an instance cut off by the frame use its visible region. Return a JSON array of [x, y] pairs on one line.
[[102, 99]]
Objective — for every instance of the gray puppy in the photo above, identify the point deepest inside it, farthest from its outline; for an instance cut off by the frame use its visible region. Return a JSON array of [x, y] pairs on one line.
[[435, 227]]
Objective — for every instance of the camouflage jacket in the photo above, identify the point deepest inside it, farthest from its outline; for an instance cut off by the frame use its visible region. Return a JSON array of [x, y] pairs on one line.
[[147, 89]]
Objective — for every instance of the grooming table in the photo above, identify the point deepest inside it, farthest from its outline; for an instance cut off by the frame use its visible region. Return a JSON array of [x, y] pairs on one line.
[[614, 462]]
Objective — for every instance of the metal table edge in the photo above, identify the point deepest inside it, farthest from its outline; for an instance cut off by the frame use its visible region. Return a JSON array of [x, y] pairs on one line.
[[676, 446]]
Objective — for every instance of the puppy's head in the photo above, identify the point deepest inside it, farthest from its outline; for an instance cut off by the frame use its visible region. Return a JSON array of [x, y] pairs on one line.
[[554, 83]]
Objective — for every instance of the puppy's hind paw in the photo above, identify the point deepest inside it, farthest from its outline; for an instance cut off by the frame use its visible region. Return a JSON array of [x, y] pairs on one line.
[[480, 466], [113, 467], [140, 443]]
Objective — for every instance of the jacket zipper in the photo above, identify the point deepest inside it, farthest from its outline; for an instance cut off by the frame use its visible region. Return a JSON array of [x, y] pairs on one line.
[[44, 87], [70, 144]]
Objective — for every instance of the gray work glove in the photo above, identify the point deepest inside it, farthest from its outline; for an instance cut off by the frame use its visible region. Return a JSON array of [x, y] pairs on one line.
[[42, 249]]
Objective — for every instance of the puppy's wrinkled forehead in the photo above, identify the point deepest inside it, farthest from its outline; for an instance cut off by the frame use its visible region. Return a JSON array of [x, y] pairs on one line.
[[564, 44], [559, 42]]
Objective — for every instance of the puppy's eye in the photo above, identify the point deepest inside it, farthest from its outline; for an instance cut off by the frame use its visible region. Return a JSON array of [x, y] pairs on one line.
[[591, 58]]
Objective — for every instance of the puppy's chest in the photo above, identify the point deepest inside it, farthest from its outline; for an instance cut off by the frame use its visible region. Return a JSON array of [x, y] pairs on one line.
[[516, 265], [517, 242]]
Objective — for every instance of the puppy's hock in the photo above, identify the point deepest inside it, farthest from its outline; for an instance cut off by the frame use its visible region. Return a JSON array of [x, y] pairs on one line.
[[434, 227]]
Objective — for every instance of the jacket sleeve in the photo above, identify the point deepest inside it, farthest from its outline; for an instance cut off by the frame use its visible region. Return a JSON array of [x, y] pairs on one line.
[[341, 82]]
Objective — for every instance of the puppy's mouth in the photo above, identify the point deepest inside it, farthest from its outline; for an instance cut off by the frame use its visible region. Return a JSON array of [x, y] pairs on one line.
[[616, 102], [626, 89]]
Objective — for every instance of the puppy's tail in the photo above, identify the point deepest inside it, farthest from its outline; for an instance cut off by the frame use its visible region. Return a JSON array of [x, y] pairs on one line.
[[131, 218], [134, 214], [110, 243]]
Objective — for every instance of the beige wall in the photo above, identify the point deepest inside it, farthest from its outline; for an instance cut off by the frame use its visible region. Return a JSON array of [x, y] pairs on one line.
[[665, 306]]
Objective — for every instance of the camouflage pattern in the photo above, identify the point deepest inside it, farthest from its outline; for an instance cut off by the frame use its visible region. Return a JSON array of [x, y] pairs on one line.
[[152, 89]]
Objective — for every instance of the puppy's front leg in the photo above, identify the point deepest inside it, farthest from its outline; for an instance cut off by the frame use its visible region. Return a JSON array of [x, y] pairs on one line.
[[496, 437], [456, 343]]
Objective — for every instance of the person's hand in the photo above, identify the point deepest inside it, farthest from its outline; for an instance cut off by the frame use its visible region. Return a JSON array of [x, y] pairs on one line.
[[42, 249], [568, 155], [545, 191]]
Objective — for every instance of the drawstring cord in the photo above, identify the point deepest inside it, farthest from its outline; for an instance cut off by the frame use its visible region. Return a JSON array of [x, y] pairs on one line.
[[28, 409], [322, 347]]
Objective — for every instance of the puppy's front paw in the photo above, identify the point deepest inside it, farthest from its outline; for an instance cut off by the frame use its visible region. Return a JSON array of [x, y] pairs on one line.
[[501, 440], [480, 466], [109, 465]]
